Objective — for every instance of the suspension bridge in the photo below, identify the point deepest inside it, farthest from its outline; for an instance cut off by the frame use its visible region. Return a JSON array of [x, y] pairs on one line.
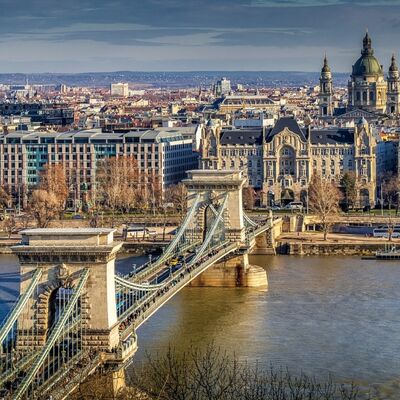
[[75, 314]]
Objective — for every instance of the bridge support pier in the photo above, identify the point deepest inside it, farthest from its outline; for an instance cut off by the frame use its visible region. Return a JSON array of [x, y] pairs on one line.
[[234, 272]]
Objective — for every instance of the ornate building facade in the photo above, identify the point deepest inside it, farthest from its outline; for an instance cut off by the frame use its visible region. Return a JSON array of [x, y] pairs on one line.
[[368, 90], [280, 161]]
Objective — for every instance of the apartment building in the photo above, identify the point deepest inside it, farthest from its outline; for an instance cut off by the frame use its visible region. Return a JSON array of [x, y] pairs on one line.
[[165, 155]]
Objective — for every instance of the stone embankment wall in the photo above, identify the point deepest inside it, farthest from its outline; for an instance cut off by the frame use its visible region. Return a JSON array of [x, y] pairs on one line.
[[328, 249]]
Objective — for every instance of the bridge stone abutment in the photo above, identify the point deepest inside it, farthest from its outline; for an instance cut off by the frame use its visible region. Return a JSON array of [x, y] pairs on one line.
[[212, 186], [62, 254]]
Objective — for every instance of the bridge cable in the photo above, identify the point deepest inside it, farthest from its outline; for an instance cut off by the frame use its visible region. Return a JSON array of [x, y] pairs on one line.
[[9, 323], [56, 332]]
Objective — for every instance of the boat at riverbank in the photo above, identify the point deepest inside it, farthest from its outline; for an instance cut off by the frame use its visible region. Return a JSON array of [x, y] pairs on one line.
[[390, 253]]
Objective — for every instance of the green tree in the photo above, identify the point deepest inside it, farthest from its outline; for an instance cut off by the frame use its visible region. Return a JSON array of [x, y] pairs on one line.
[[349, 183]]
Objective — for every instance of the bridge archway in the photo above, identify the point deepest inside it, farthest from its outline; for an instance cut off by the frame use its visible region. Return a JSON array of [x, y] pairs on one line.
[[212, 186]]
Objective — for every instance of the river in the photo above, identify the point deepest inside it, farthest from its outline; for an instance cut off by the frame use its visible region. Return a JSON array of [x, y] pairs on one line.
[[323, 316]]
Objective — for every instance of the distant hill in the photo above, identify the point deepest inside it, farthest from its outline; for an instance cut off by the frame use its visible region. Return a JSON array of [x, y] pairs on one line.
[[174, 79]]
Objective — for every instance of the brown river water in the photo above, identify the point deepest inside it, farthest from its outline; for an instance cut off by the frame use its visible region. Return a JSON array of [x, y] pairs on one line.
[[324, 316]]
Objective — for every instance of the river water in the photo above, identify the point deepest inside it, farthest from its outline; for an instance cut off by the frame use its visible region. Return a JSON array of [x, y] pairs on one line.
[[323, 316]]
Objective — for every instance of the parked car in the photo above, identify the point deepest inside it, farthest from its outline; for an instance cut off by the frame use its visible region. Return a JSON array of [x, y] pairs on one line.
[[295, 206]]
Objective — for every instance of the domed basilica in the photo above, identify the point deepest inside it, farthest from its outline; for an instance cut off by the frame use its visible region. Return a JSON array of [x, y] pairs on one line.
[[368, 90]]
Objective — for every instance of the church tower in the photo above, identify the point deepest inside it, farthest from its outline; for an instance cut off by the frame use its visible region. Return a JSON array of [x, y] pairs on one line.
[[210, 149], [393, 95], [325, 91], [367, 88]]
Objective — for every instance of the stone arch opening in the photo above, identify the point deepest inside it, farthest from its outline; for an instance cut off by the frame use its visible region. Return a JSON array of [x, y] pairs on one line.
[[364, 197], [57, 302], [287, 196]]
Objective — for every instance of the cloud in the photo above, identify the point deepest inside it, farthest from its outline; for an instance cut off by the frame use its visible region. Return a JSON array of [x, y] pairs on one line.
[[173, 33], [321, 3]]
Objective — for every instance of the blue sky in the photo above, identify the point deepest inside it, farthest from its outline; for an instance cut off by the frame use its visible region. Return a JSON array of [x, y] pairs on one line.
[[184, 35]]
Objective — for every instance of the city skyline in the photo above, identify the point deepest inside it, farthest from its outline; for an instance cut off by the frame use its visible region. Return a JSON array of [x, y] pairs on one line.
[[264, 35]]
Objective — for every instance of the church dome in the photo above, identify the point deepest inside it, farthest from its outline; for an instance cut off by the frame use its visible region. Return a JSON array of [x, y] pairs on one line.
[[367, 64]]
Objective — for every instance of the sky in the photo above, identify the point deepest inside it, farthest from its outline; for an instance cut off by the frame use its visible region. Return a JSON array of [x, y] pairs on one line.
[[193, 35]]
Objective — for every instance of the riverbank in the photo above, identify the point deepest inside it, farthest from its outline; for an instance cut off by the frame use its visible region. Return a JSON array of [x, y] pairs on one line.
[[313, 243]]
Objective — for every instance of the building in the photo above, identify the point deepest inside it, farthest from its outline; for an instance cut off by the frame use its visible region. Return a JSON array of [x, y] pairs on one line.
[[163, 154], [222, 87], [281, 160], [369, 93], [40, 113], [325, 91], [393, 94], [119, 89], [239, 149], [233, 103], [367, 87]]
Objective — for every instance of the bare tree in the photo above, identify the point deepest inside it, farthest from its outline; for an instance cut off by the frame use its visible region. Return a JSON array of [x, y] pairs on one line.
[[54, 181], [5, 198], [177, 195], [44, 207], [212, 374], [118, 179], [390, 187], [249, 197], [324, 199], [47, 202], [9, 225]]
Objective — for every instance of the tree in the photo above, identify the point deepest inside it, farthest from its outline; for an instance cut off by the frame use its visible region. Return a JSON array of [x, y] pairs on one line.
[[324, 199], [213, 374], [390, 188], [118, 181], [44, 207], [48, 200], [350, 188], [53, 180], [5, 198], [248, 197], [176, 195], [9, 225]]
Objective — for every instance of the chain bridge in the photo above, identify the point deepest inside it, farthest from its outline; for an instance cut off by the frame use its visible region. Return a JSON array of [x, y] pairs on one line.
[[75, 314]]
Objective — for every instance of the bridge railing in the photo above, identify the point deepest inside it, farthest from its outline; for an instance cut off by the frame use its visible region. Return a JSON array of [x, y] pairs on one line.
[[179, 241], [149, 304], [49, 366]]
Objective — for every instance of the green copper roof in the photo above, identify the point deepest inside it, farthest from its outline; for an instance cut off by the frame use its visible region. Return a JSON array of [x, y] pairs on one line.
[[367, 64]]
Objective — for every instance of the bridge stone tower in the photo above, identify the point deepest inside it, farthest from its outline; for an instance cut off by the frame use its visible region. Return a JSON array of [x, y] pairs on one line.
[[63, 254], [212, 185]]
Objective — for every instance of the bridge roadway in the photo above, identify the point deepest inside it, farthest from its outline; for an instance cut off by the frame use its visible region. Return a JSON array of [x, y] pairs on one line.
[[151, 287], [129, 322], [146, 306]]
